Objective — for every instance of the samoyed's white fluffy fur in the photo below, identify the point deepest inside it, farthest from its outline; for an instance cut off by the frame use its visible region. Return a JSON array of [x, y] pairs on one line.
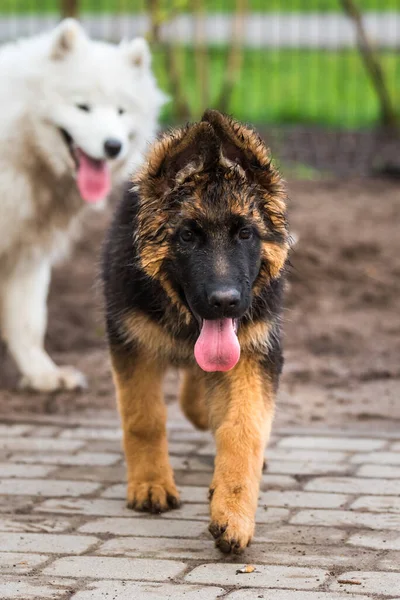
[[75, 118]]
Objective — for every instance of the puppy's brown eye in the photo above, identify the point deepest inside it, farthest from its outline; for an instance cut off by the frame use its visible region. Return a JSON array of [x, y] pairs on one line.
[[245, 233], [186, 235], [121, 111], [84, 107]]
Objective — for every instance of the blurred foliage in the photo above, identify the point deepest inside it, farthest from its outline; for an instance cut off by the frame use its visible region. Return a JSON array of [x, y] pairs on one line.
[[132, 6], [277, 86], [163, 10], [291, 86]]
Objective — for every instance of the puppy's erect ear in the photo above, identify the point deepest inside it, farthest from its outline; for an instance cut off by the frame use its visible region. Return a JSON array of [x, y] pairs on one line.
[[67, 35], [194, 152], [242, 146], [178, 155], [137, 52]]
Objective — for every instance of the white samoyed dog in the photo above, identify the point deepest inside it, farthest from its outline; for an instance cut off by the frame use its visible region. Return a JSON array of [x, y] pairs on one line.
[[75, 119]]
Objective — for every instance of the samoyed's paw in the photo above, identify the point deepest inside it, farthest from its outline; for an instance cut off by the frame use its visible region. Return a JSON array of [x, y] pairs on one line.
[[61, 378]]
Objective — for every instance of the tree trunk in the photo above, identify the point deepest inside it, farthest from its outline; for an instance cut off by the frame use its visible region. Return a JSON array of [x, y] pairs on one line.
[[69, 8], [372, 65], [235, 56], [170, 53], [202, 74], [155, 21], [174, 69]]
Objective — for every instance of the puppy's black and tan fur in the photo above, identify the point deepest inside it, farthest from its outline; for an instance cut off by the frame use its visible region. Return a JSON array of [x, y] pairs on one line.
[[201, 238]]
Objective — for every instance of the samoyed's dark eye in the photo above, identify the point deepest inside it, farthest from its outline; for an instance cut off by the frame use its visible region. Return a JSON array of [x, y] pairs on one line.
[[84, 107], [121, 111]]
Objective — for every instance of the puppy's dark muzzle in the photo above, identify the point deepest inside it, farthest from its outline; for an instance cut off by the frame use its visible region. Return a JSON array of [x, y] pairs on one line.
[[224, 300], [221, 302]]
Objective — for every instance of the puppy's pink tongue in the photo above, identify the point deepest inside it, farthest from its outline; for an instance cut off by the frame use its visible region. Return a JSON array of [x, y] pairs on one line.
[[93, 177], [217, 347]]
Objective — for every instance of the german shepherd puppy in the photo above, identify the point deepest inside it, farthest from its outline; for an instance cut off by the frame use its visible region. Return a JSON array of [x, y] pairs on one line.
[[193, 275]]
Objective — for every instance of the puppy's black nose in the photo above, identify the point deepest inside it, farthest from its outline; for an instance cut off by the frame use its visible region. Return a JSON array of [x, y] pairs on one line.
[[112, 147], [224, 299]]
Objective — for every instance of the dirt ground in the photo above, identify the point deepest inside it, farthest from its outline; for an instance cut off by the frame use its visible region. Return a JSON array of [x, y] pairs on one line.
[[342, 316]]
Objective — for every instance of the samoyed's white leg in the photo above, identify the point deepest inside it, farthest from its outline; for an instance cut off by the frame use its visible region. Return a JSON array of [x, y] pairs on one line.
[[24, 320]]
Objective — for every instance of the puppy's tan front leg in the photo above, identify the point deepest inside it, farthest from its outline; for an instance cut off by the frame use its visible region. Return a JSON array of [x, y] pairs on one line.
[[241, 411], [138, 380]]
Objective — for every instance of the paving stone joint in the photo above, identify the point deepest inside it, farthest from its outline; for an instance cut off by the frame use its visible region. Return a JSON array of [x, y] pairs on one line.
[[328, 521]]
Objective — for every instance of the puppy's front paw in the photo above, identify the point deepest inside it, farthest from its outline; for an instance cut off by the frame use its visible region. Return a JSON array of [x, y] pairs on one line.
[[152, 496], [60, 378], [232, 533], [232, 525]]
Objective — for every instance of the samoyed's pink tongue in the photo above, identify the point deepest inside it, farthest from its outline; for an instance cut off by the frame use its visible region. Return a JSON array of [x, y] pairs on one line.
[[93, 177], [217, 347]]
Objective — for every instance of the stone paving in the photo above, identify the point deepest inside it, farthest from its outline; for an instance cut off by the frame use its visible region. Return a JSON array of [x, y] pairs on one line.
[[328, 518]]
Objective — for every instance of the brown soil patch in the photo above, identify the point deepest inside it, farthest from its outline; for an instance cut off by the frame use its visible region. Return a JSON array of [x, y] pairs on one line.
[[342, 325]]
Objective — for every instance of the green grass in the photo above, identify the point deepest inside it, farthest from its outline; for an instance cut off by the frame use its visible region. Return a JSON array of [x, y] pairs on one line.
[[134, 6], [283, 87], [293, 170]]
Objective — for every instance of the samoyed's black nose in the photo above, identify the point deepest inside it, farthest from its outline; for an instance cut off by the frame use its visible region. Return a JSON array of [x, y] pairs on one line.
[[112, 147]]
